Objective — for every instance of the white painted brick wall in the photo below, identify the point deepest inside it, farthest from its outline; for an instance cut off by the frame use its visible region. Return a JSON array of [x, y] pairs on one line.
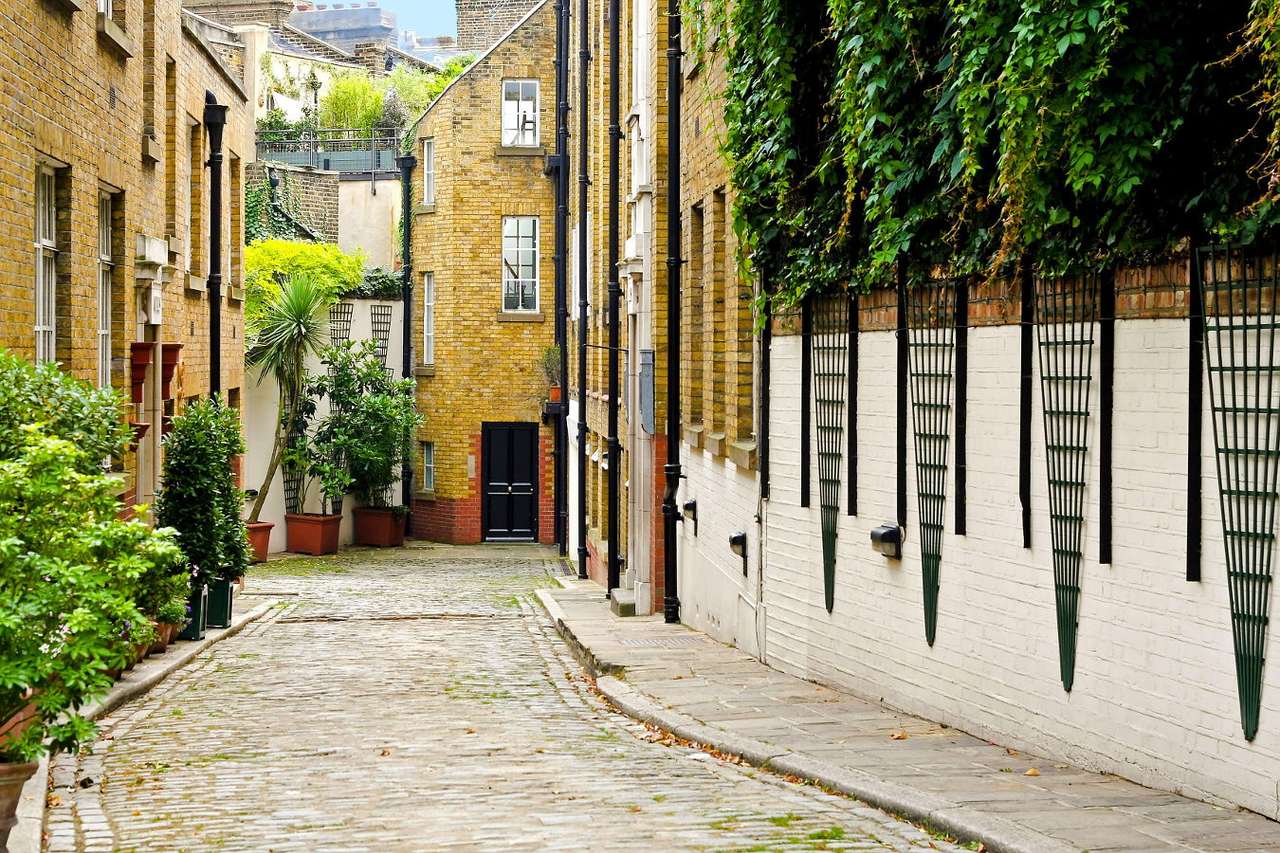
[[1154, 696]]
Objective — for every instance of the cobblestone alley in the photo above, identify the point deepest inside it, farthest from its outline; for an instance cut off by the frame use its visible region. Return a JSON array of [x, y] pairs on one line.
[[418, 700]]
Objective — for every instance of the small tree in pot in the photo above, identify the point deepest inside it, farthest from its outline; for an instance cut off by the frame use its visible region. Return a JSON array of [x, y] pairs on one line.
[[378, 419]]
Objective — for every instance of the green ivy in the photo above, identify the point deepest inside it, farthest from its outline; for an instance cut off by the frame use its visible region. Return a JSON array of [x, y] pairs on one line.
[[869, 138]]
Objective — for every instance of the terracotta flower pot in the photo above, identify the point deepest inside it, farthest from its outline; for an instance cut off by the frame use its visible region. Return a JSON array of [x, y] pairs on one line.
[[381, 527], [161, 642], [18, 723], [260, 539], [311, 533], [555, 394], [12, 778]]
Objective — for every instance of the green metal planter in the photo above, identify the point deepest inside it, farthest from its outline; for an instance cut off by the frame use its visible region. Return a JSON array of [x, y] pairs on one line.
[[199, 606], [221, 600]]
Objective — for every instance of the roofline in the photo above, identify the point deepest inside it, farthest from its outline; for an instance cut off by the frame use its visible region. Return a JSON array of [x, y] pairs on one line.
[[320, 41], [413, 128]]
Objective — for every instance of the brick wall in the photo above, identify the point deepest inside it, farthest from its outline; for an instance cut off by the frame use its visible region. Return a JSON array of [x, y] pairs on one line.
[[486, 365], [313, 193], [482, 22], [272, 12]]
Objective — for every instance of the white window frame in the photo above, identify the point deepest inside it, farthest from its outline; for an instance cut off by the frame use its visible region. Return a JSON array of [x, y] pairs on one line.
[[106, 267], [428, 318], [429, 170], [427, 449], [105, 7], [521, 124], [46, 264], [512, 264]]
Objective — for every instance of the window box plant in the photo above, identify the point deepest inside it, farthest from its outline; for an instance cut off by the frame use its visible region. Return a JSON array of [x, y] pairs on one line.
[[376, 422]]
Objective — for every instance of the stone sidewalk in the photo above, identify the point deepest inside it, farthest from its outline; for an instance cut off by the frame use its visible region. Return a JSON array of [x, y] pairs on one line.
[[679, 679]]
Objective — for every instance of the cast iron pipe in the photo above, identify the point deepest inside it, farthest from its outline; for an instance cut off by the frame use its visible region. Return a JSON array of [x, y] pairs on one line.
[[407, 164], [672, 472], [615, 447], [560, 508], [584, 56], [215, 120]]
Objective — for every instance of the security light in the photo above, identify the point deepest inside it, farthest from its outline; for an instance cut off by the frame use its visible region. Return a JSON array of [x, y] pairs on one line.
[[887, 539]]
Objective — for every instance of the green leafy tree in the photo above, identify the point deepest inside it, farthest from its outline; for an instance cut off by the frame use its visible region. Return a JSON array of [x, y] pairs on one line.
[[269, 264], [353, 100]]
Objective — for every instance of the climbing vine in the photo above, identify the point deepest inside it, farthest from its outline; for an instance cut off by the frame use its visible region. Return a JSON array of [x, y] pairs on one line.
[[265, 220], [871, 137]]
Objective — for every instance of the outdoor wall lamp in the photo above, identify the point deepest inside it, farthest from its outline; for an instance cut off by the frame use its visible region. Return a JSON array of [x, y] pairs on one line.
[[738, 545], [691, 514], [887, 539]]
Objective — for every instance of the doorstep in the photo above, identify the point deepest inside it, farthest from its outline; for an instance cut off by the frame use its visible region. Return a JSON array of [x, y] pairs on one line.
[[26, 836], [678, 679]]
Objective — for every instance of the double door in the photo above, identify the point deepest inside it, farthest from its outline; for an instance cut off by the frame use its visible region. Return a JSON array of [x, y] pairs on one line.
[[509, 463]]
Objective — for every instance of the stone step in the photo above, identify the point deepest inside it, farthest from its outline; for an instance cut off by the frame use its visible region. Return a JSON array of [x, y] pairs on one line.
[[623, 602]]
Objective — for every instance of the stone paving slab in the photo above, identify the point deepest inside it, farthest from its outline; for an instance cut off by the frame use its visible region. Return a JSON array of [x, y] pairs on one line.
[[718, 695]]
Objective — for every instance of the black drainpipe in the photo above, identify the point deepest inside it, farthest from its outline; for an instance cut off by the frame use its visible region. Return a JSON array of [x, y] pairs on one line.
[[584, 56], [615, 341], [215, 119], [670, 508], [562, 266], [407, 164]]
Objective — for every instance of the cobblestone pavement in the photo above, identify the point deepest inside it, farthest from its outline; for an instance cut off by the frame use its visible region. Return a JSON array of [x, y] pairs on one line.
[[418, 700]]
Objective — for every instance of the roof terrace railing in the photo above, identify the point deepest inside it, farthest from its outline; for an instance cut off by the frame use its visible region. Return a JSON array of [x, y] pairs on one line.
[[332, 149]]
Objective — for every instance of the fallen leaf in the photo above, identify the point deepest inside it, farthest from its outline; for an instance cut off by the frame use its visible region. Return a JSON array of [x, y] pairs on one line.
[[1010, 750], [54, 801], [1032, 772], [898, 736], [471, 731], [385, 752]]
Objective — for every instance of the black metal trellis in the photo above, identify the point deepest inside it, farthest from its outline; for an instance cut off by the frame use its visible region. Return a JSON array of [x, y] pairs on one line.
[[806, 394], [931, 347], [1066, 312], [380, 319], [830, 348], [340, 322], [1238, 295], [291, 474], [852, 395]]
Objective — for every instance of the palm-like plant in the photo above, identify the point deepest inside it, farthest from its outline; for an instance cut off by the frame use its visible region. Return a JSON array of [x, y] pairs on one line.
[[292, 325]]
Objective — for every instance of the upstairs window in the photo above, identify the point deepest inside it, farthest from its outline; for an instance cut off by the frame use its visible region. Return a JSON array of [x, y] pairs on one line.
[[46, 250], [519, 113], [520, 263], [105, 7], [428, 318], [428, 171], [105, 268], [428, 481]]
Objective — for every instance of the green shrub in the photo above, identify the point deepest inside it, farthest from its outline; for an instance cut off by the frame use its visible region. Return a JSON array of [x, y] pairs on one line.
[[72, 575], [270, 263], [199, 498], [377, 284]]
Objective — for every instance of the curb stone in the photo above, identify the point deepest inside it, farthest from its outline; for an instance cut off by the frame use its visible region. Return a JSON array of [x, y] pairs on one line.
[[997, 834], [26, 837]]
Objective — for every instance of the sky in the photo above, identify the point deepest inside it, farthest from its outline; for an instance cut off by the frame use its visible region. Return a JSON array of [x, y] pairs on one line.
[[426, 17]]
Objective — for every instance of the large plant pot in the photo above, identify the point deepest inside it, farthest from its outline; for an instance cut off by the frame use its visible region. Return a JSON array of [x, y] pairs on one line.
[[383, 528], [12, 778], [260, 539], [199, 604], [18, 723], [312, 534], [221, 599]]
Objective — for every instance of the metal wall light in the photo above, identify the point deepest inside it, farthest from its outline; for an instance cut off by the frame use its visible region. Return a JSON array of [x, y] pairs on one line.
[[887, 539], [690, 510], [738, 545]]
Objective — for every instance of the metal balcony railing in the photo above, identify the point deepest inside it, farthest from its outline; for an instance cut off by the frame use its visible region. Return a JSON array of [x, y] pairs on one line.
[[332, 149]]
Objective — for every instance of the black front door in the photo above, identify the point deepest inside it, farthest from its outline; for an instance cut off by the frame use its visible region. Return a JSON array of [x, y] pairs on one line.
[[510, 466]]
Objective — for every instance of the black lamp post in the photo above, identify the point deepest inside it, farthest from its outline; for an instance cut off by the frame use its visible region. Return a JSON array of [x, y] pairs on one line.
[[215, 120]]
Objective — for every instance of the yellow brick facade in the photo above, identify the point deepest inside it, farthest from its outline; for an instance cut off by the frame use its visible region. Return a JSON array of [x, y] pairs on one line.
[[486, 365], [115, 105]]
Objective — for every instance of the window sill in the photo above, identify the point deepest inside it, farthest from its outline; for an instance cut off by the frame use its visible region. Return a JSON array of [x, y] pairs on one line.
[[714, 443], [151, 150], [424, 496], [520, 151], [425, 370], [235, 295], [693, 435], [196, 284], [113, 36], [520, 317], [743, 454], [68, 6], [425, 208]]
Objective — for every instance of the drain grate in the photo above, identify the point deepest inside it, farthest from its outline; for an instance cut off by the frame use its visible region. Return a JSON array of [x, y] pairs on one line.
[[662, 642]]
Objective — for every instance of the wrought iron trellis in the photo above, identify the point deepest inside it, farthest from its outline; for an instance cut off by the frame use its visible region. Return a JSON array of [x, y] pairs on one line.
[[830, 348], [931, 349], [1238, 293], [340, 322], [1066, 312], [380, 318], [290, 474]]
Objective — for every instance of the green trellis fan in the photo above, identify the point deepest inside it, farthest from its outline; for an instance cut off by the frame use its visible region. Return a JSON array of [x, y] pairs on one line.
[[931, 351], [1238, 292], [1066, 314], [830, 349]]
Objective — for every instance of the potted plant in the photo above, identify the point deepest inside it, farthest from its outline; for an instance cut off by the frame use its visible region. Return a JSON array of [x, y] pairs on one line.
[[200, 502], [73, 573], [378, 421], [319, 456], [550, 366], [287, 322]]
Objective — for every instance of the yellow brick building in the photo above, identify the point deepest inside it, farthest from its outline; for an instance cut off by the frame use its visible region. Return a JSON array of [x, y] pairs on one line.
[[484, 314], [104, 233]]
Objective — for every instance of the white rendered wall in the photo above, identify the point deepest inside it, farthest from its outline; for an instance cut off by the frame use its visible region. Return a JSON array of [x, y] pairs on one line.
[[261, 402], [1154, 697]]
